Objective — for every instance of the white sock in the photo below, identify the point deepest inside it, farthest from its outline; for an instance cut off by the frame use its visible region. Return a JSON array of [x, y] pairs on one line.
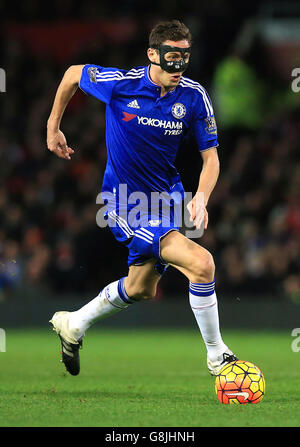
[[112, 299], [203, 301]]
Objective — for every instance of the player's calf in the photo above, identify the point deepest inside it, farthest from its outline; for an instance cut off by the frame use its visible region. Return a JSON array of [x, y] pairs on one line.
[[142, 280], [139, 293]]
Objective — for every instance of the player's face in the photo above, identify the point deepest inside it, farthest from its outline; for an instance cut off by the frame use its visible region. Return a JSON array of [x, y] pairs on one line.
[[162, 77]]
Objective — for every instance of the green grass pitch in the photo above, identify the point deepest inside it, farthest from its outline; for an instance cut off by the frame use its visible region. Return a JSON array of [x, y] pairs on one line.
[[141, 378]]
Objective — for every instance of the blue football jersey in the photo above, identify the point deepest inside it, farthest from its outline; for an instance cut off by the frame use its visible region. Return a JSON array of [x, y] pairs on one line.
[[144, 130]]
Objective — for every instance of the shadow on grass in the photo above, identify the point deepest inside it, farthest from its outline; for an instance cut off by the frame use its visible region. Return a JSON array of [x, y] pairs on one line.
[[122, 395]]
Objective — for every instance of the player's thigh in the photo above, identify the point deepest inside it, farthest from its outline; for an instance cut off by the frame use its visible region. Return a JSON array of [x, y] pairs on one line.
[[142, 280], [194, 261]]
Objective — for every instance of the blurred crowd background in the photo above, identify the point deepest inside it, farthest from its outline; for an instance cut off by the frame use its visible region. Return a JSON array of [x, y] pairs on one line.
[[243, 55]]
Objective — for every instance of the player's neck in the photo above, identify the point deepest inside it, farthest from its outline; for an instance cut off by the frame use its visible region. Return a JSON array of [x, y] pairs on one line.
[[154, 77]]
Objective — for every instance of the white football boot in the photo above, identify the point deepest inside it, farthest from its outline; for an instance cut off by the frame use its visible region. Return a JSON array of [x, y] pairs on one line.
[[69, 343], [215, 367]]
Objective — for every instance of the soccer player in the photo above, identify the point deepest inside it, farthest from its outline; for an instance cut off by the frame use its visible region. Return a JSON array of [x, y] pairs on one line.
[[149, 111]]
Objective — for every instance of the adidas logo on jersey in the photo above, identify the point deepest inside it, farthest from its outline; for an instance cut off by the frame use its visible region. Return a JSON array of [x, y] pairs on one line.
[[134, 104]]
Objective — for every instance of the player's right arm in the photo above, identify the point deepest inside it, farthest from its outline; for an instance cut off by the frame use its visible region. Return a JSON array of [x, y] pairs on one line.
[[56, 141]]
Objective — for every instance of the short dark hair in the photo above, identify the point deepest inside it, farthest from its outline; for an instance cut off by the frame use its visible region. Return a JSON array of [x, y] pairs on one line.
[[169, 30]]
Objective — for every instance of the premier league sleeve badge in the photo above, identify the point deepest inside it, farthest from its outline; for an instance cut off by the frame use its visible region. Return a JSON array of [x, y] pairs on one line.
[[211, 128], [92, 74]]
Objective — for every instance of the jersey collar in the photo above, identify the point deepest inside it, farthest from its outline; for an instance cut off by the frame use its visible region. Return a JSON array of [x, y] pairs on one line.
[[148, 81]]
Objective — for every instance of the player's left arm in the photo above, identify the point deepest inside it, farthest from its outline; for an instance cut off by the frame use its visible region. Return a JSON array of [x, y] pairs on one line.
[[207, 181]]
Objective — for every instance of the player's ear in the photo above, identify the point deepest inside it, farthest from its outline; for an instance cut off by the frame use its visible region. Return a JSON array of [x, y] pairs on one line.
[[152, 54]]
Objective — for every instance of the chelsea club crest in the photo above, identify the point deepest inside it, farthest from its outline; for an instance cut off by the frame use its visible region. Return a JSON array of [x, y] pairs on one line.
[[178, 110]]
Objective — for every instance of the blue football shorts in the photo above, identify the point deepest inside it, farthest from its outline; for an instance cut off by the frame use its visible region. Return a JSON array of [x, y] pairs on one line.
[[143, 242]]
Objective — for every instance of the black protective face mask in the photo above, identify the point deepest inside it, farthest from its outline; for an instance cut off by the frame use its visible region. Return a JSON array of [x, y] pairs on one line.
[[171, 66]]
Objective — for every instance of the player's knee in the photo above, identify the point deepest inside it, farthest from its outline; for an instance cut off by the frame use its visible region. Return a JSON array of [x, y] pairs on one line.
[[202, 268]]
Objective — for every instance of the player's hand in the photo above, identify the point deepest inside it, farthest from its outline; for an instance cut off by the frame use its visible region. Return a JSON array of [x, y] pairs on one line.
[[57, 143], [198, 211]]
